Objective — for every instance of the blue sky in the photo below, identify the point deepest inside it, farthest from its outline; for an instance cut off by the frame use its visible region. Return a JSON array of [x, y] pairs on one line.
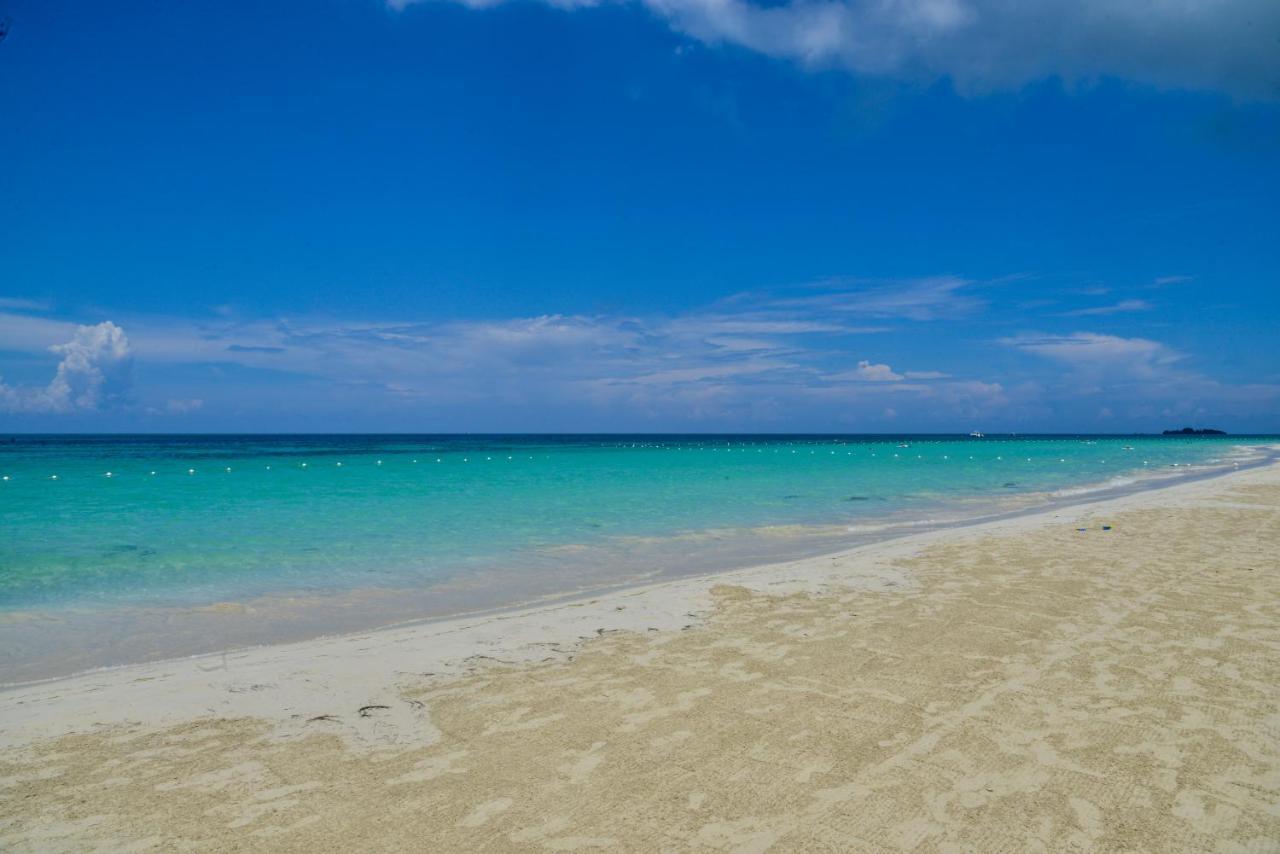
[[657, 215]]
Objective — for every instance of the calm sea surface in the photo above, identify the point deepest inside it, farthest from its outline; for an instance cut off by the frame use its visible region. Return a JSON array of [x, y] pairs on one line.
[[103, 531]]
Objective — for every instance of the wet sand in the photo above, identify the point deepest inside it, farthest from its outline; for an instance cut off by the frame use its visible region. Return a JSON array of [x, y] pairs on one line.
[[1015, 686]]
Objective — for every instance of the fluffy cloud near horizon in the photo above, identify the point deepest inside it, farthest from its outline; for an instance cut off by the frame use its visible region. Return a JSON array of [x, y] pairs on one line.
[[986, 45], [1140, 378], [868, 372], [751, 357], [94, 373], [789, 358]]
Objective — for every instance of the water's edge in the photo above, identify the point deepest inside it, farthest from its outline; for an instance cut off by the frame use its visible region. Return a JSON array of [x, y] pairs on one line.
[[280, 620]]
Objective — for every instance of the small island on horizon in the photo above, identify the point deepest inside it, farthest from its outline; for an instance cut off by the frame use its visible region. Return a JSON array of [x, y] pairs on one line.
[[1192, 431]]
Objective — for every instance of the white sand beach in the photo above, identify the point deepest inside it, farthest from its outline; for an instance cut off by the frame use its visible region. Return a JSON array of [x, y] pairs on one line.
[[1018, 685]]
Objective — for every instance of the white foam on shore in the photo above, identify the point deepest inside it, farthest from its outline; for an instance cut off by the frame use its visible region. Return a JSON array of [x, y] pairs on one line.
[[1089, 489]]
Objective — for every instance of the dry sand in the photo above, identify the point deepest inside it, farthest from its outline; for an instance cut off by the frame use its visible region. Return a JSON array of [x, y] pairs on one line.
[[1016, 686]]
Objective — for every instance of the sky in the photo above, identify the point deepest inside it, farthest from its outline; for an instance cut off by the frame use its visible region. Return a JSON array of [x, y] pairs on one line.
[[640, 216]]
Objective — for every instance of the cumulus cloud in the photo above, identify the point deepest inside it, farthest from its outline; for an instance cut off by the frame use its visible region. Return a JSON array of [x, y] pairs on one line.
[[868, 372], [96, 372], [984, 45], [750, 357], [788, 357]]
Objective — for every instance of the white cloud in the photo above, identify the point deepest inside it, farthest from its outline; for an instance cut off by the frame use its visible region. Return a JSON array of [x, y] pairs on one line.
[[709, 324], [183, 407], [1108, 356], [930, 298], [984, 45], [1139, 380], [1122, 307], [748, 356], [20, 304], [868, 372], [24, 333], [697, 373], [96, 372], [757, 358], [753, 357]]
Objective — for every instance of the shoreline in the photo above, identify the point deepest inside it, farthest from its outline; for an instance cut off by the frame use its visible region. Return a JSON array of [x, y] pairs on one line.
[[262, 681], [313, 616], [1095, 677]]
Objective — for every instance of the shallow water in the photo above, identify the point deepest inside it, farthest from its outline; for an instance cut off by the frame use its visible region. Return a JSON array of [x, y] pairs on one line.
[[295, 535]]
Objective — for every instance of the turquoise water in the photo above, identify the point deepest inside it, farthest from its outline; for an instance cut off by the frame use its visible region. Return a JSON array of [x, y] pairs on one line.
[[190, 519], [449, 523]]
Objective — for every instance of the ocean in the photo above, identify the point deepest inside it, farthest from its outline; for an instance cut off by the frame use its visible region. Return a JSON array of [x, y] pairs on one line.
[[122, 548]]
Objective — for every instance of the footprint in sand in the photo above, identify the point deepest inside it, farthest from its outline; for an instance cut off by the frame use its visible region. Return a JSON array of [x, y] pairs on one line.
[[485, 811], [433, 767], [582, 763]]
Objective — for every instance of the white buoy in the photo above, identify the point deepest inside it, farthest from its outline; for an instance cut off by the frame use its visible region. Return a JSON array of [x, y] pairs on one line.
[[191, 471], [379, 462], [6, 477], [51, 477], [153, 473], [108, 474], [415, 461], [268, 468], [339, 464], [228, 468]]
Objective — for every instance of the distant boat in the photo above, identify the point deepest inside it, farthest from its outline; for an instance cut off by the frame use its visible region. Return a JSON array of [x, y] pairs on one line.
[[976, 435]]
